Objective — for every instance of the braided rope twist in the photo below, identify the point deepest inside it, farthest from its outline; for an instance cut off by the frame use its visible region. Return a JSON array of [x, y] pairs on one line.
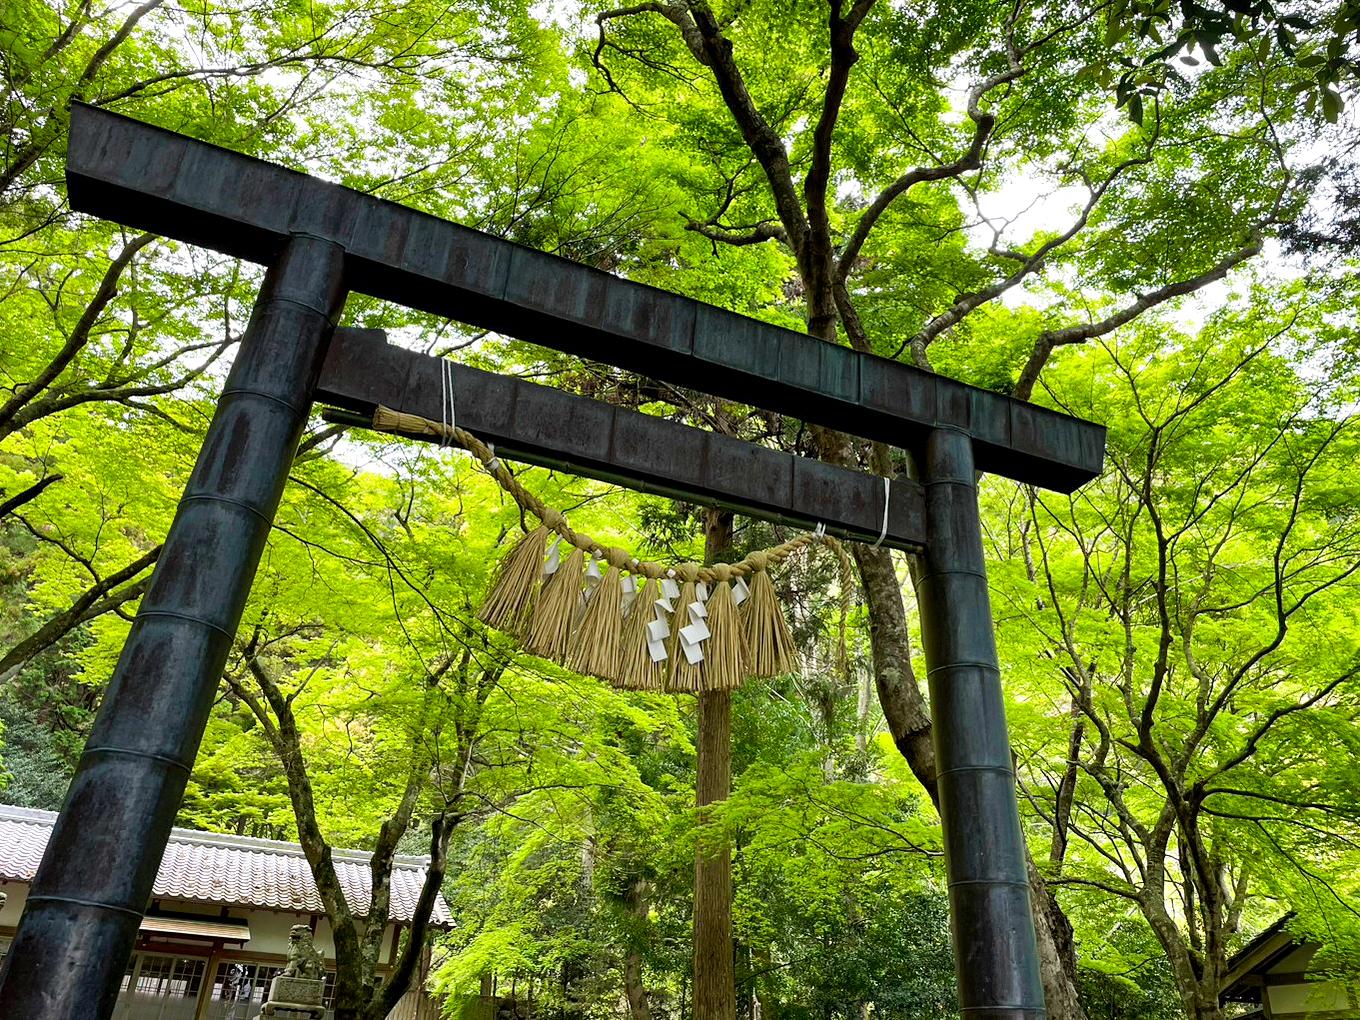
[[387, 420]]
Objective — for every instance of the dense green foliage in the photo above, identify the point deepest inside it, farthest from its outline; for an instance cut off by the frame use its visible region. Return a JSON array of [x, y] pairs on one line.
[[1036, 198]]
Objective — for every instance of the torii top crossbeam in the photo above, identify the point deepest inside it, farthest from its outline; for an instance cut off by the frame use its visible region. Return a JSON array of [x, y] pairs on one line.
[[194, 192]]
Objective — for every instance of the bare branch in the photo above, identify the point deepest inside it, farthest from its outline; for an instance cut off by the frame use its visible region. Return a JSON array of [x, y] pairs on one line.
[[766, 231], [843, 58], [966, 303], [970, 160], [703, 36]]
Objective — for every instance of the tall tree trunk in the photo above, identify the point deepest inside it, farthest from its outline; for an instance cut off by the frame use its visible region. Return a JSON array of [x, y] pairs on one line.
[[865, 683], [714, 984], [764, 984], [1057, 951], [714, 981], [1067, 791], [1205, 1005], [634, 990]]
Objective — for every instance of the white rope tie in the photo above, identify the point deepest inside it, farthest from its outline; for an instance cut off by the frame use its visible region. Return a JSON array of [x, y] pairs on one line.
[[887, 502], [446, 408]]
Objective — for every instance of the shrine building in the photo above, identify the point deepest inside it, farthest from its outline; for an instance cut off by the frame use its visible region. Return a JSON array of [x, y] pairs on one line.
[[216, 930], [1274, 977]]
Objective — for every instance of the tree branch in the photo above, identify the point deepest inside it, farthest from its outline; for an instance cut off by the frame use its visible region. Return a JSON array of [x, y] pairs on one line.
[[815, 184], [702, 34], [78, 337], [966, 303], [1045, 343], [738, 237], [96, 600], [27, 495]]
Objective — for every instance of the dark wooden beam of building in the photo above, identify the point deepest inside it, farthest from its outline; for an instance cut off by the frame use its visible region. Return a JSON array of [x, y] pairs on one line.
[[542, 425], [143, 176]]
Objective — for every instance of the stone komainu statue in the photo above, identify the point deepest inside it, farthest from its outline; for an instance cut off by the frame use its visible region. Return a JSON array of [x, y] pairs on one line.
[[303, 959]]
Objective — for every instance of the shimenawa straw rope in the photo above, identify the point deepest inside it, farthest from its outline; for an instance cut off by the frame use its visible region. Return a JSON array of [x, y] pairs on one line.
[[719, 625]]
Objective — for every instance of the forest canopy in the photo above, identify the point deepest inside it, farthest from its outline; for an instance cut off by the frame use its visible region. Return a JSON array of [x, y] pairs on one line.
[[1139, 213]]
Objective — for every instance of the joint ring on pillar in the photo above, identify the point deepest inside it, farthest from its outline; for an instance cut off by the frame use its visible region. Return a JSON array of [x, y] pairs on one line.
[[240, 391], [1031, 1008], [1005, 770], [134, 753], [953, 573], [187, 618], [934, 483], [209, 498], [276, 299], [86, 903], [963, 664], [1013, 882]]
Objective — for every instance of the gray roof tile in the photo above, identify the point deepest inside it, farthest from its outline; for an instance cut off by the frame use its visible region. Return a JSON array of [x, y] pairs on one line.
[[211, 867]]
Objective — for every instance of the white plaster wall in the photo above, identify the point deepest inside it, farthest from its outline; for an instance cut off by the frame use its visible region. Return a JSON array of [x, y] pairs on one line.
[[268, 928], [14, 906], [1296, 962], [272, 934], [1308, 997]]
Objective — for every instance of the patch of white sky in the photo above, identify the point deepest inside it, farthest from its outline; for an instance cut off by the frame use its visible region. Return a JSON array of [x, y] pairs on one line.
[[565, 15], [1031, 198]]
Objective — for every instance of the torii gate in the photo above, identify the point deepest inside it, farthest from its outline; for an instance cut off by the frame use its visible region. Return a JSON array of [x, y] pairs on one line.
[[321, 241]]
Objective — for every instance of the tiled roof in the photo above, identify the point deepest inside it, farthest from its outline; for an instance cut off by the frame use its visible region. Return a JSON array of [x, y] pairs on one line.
[[209, 867]]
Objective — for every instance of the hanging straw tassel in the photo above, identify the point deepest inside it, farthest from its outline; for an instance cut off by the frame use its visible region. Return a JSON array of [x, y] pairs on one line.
[[768, 640], [595, 645], [684, 675], [507, 603], [725, 662], [637, 671], [549, 629]]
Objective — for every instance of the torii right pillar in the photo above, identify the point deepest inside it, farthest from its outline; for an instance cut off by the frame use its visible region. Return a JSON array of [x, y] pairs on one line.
[[993, 930]]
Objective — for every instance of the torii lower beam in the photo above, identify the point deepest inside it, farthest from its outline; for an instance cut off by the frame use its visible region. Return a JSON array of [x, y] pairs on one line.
[[321, 241], [546, 426]]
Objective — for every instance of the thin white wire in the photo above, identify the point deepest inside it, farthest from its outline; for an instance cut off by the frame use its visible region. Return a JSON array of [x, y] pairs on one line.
[[887, 501], [443, 407], [447, 410]]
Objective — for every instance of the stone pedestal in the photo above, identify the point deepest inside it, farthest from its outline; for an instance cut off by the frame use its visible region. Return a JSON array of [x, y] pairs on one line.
[[294, 998]]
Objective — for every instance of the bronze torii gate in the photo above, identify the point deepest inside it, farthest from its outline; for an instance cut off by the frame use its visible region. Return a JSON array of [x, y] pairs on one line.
[[321, 241]]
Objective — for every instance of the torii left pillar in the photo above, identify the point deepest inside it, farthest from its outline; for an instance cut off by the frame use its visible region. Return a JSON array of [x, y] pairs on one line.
[[80, 923]]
